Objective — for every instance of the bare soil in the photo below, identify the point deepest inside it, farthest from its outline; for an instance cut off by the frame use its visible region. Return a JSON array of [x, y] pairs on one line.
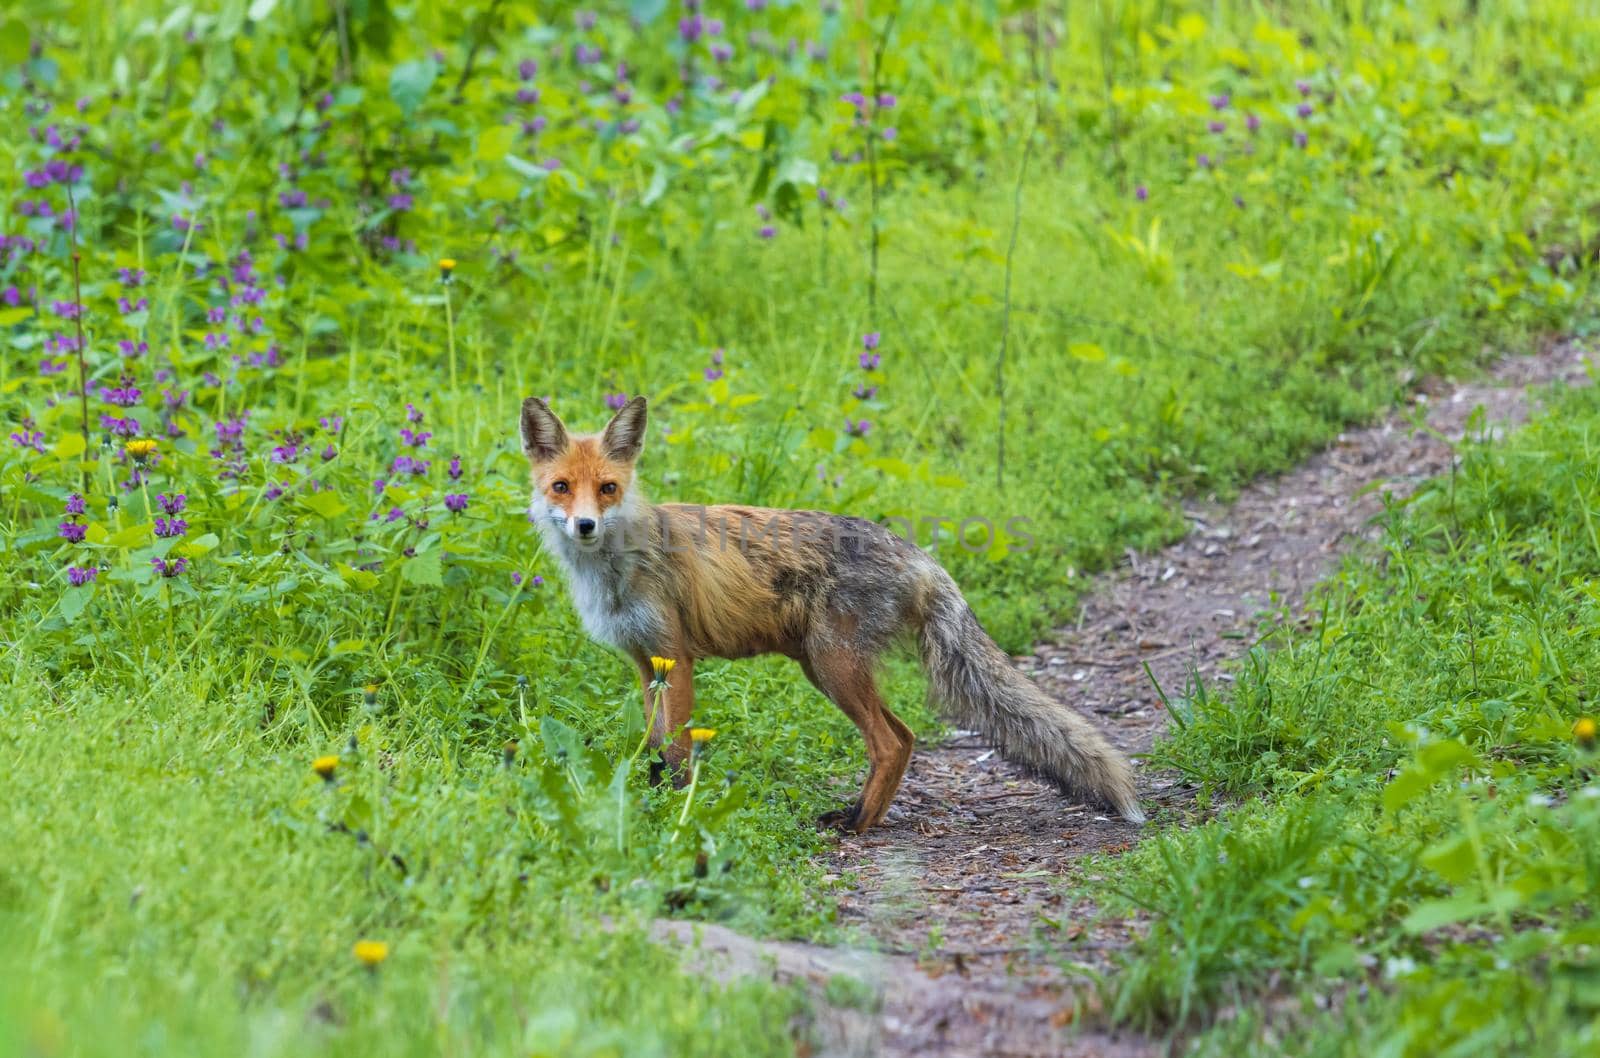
[[954, 897]]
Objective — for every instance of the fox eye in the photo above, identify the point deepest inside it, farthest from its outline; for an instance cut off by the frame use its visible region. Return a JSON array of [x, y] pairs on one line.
[[560, 486], [609, 488]]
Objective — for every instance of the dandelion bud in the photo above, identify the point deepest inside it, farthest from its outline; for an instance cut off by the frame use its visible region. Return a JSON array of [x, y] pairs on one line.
[[370, 953]]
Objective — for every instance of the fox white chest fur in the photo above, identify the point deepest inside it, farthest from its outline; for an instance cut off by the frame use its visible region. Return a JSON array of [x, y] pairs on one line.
[[600, 577]]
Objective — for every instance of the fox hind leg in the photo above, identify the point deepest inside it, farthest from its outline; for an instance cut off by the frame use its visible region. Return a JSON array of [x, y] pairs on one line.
[[848, 682]]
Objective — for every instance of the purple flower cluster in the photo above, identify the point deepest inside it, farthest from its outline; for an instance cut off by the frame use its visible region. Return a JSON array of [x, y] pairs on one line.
[[78, 576], [73, 530], [170, 567], [33, 439], [870, 111], [169, 527], [55, 171], [869, 360], [123, 395], [230, 451], [714, 372]]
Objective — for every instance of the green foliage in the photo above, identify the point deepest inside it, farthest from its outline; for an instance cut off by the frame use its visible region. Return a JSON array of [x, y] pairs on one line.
[[1429, 838]]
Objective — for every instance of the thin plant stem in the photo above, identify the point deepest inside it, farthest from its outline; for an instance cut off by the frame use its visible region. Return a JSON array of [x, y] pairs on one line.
[[1005, 312], [450, 341], [77, 320]]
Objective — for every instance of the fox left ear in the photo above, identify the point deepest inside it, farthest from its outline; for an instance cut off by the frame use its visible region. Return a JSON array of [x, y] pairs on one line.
[[624, 435]]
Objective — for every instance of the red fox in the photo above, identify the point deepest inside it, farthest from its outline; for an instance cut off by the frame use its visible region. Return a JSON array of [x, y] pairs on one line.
[[832, 592]]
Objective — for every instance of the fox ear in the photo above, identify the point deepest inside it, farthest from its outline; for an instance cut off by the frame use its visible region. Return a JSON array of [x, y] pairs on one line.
[[543, 435], [624, 435]]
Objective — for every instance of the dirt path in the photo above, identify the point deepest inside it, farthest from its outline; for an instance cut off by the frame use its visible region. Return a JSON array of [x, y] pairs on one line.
[[952, 892]]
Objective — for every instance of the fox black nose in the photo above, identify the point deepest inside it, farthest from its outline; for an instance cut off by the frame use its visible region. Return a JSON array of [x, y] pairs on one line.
[[585, 526]]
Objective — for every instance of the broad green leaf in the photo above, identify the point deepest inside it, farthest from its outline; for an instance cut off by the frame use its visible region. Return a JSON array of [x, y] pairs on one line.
[[363, 579], [200, 545], [409, 83], [494, 144], [70, 446], [325, 503], [425, 569]]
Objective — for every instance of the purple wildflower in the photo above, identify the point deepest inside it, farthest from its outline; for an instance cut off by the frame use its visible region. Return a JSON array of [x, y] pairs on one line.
[[1305, 110], [1252, 122], [1141, 193], [870, 361], [615, 401], [869, 341], [767, 232], [864, 392], [1300, 139], [857, 429], [73, 532], [168, 527], [171, 504], [1216, 127], [79, 576], [527, 69], [170, 567], [125, 395], [455, 468], [455, 502], [1303, 87]]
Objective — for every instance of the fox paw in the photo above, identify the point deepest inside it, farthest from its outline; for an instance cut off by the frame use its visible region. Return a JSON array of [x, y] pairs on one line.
[[846, 820]]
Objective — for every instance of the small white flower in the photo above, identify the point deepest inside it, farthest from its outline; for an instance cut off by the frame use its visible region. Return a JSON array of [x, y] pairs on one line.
[[1401, 966]]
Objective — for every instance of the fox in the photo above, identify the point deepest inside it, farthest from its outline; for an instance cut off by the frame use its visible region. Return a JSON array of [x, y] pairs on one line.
[[832, 592]]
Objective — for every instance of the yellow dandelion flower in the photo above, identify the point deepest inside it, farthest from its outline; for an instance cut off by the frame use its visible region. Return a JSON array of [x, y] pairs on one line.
[[661, 667], [1584, 730], [325, 766], [447, 265], [141, 449], [370, 953], [702, 734]]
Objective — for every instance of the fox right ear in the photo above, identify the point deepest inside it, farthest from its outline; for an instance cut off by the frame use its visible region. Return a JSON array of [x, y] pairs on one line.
[[543, 435]]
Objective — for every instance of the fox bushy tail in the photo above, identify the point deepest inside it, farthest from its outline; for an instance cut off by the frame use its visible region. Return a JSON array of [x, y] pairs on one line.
[[975, 683]]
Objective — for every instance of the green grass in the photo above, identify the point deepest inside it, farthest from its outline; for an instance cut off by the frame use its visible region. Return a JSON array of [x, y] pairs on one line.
[[1416, 838], [159, 731]]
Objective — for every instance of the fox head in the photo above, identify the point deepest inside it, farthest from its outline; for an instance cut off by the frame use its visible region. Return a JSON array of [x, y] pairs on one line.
[[582, 485]]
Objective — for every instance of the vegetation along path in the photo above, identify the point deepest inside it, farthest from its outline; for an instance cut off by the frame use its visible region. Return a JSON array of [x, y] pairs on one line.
[[950, 895]]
